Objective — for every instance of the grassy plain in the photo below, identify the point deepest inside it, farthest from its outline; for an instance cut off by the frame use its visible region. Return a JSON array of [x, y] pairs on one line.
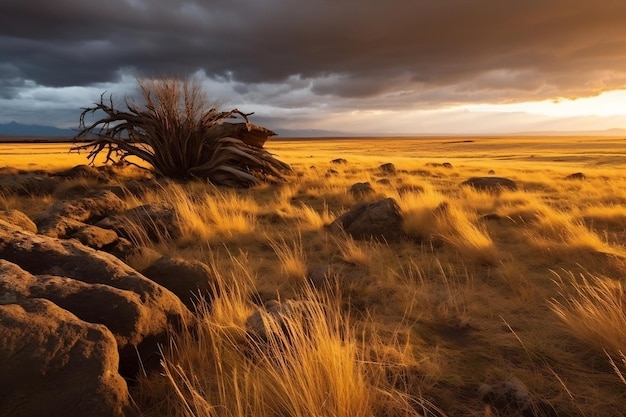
[[524, 285]]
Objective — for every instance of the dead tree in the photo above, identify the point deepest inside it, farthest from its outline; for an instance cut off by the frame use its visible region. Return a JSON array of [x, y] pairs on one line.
[[176, 134]]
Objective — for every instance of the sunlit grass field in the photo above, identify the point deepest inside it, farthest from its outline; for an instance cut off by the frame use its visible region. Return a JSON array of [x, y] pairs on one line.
[[523, 285]]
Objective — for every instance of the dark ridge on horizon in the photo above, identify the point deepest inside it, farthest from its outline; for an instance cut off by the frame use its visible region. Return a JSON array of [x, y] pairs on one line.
[[18, 129]]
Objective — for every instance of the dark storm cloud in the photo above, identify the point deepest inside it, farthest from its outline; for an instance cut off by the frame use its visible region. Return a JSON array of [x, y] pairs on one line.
[[501, 50]]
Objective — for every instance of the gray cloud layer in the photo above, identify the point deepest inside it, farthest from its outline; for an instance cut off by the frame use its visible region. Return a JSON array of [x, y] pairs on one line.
[[398, 52]]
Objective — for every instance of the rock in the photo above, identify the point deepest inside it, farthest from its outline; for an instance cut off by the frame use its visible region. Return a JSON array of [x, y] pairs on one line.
[[122, 248], [512, 396], [158, 221], [83, 171], [19, 219], [28, 184], [319, 276], [379, 220], [137, 257], [94, 236], [42, 255], [388, 168], [285, 315], [491, 172], [188, 279], [339, 161], [330, 172], [361, 189], [447, 165], [54, 364], [383, 181], [121, 311], [490, 183], [576, 176], [65, 217], [491, 216]]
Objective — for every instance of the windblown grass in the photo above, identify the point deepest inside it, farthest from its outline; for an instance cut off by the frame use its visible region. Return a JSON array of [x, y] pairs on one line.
[[594, 309], [311, 364], [469, 297]]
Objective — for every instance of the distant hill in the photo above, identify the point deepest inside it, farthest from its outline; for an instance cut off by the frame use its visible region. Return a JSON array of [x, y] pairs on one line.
[[18, 129]]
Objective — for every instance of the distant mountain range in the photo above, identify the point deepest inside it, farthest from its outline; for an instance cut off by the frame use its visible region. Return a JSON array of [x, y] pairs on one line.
[[18, 129]]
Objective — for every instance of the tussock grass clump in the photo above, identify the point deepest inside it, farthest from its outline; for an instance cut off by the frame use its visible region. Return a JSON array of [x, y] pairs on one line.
[[560, 229], [291, 255], [462, 230], [419, 211], [311, 364], [594, 309]]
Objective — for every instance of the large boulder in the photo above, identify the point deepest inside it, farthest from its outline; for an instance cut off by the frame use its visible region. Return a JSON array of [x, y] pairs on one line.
[[54, 364], [379, 220], [65, 217], [121, 311], [140, 312]]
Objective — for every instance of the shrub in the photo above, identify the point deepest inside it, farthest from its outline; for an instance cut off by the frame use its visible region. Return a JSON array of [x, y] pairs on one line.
[[177, 134]]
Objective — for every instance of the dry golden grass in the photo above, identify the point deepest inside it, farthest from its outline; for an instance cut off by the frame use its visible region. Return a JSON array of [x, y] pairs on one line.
[[469, 297]]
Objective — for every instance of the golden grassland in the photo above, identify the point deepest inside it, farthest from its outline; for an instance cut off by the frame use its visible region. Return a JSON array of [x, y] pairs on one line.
[[525, 285]]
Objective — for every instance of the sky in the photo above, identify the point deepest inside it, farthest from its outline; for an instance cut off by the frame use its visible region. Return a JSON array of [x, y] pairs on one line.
[[363, 67]]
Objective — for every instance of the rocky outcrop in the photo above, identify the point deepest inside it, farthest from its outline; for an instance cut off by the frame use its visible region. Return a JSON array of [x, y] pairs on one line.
[[379, 220], [96, 287], [54, 364], [65, 217]]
